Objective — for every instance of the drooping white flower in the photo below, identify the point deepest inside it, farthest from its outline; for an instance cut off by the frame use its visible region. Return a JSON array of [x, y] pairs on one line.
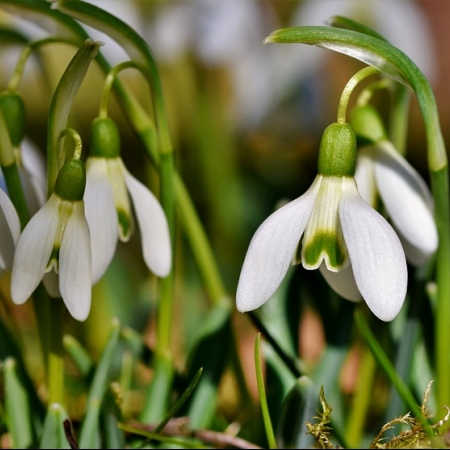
[[57, 237], [109, 188], [382, 171], [354, 247], [9, 230]]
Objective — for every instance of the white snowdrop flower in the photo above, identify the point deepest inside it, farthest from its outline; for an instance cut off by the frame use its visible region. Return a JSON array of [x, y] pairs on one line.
[[336, 231], [109, 188], [57, 237]]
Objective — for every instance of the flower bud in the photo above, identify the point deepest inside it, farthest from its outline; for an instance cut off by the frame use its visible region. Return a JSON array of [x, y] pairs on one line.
[[105, 139], [71, 181], [367, 124], [337, 153], [13, 110]]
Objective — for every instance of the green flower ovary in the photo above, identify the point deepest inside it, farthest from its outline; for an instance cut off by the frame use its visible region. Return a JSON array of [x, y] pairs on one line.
[[337, 153], [105, 138], [71, 181]]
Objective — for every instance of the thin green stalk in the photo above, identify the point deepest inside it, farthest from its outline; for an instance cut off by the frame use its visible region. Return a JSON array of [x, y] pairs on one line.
[[361, 401], [56, 353], [262, 396], [349, 87], [388, 368], [398, 127]]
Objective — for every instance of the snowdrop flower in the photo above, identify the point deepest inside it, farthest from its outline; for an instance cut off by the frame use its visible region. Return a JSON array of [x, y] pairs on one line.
[[57, 237], [9, 230], [30, 161], [356, 250], [109, 188], [380, 169]]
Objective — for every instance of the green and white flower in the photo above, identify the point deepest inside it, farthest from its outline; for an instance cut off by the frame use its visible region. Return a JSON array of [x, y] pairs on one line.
[[353, 246], [57, 237], [109, 188], [382, 172]]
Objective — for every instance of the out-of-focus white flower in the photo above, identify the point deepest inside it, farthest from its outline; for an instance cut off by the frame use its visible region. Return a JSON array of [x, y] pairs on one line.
[[381, 170], [230, 33], [356, 250], [9, 230], [57, 237], [108, 211]]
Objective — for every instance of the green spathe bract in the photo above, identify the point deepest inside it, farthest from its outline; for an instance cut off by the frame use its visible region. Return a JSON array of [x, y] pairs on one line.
[[105, 139], [337, 154], [13, 110], [71, 181]]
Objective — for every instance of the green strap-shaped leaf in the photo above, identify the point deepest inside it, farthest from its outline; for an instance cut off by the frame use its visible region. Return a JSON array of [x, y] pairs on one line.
[[89, 434], [53, 435], [18, 409]]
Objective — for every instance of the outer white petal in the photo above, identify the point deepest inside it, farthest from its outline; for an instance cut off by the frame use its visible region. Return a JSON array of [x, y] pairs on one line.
[[101, 216], [75, 264], [408, 202], [33, 251], [365, 176], [271, 250], [342, 282], [33, 162], [156, 245], [376, 255], [9, 230]]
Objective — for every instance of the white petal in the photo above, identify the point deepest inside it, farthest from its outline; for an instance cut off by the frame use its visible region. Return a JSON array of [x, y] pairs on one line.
[[33, 162], [33, 251], [271, 250], [342, 282], [9, 230], [365, 176], [376, 255], [51, 283], [156, 245], [101, 216], [408, 202], [75, 265]]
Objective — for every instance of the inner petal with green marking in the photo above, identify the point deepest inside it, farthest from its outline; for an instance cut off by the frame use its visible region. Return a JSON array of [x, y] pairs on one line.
[[121, 199], [323, 239]]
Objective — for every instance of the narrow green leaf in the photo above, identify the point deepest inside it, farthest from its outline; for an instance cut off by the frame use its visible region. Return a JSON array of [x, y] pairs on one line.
[[79, 355], [111, 416], [262, 395], [211, 354], [89, 434], [53, 435], [349, 24], [17, 405], [180, 401], [62, 100]]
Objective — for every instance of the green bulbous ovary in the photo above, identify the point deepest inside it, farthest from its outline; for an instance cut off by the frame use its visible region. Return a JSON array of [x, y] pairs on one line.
[[71, 181], [337, 153], [13, 110], [367, 124], [105, 138]]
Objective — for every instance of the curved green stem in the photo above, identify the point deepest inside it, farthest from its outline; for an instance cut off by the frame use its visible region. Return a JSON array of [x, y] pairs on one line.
[[109, 83], [24, 56], [349, 87]]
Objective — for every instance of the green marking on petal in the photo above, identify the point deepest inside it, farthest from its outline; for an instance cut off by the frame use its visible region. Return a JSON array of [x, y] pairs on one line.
[[125, 225], [324, 246]]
